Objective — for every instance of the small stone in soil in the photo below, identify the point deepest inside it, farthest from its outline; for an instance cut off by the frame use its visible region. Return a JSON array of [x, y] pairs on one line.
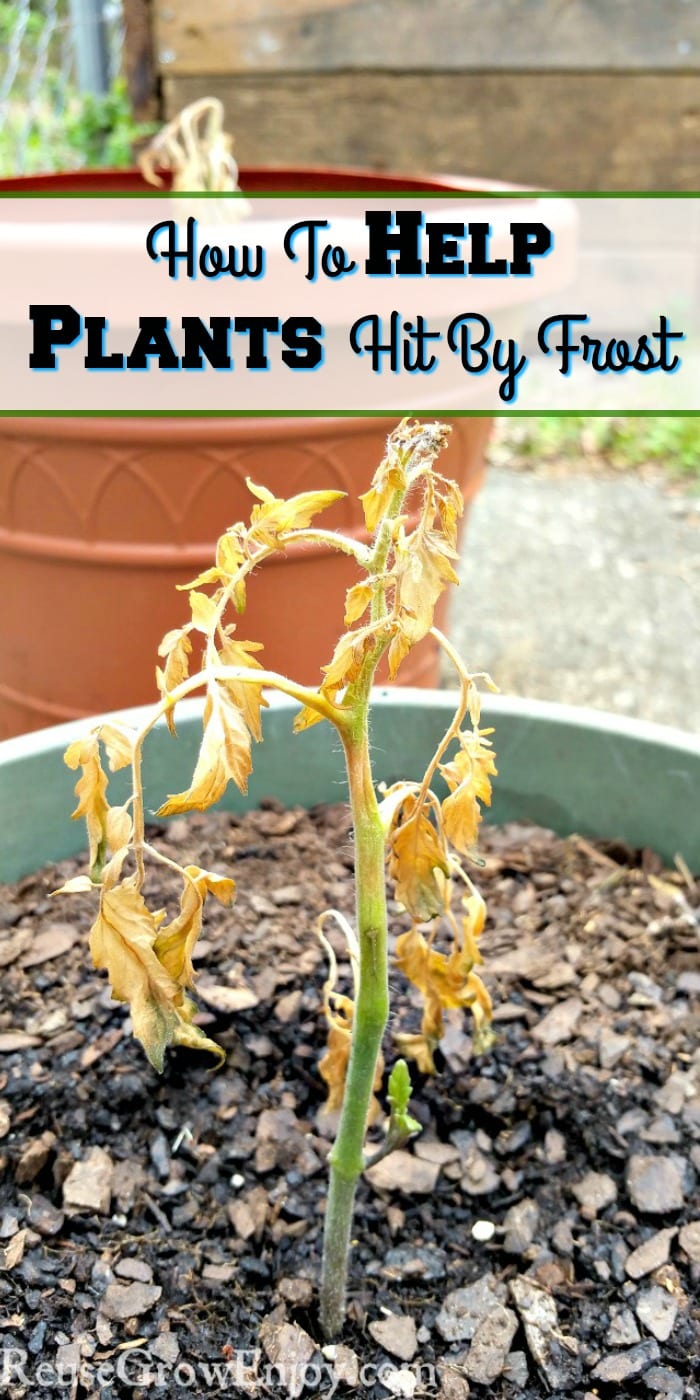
[[490, 1345], [430, 1150], [626, 1365], [554, 1147], [249, 1213], [88, 1186], [611, 1048], [407, 1261], [402, 1383], [297, 1291], [665, 1383], [463, 1308], [404, 1172], [594, 1192], [136, 1269], [560, 1023], [166, 1348], [13, 1253], [34, 1157], [287, 894], [289, 1348], [52, 942], [122, 1301], [346, 1366], [397, 1335], [655, 1184], [480, 1177], [562, 1238], [650, 1255], [538, 1311], [657, 1310], [516, 1370], [453, 1385], [520, 1226], [623, 1330], [287, 1008], [44, 1217], [689, 1240]]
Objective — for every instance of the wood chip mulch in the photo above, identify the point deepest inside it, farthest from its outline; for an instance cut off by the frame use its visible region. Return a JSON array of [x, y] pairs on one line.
[[541, 1237]]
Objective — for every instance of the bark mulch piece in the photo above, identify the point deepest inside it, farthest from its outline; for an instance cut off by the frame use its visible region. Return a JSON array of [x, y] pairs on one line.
[[541, 1237]]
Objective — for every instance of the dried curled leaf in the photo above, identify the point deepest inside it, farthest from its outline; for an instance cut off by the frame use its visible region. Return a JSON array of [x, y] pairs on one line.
[[246, 697], [468, 777], [274, 518], [224, 756], [195, 147], [91, 790], [446, 982], [176, 647], [175, 941], [422, 568], [389, 478], [357, 601], [203, 610], [118, 740], [119, 828], [122, 942], [418, 862]]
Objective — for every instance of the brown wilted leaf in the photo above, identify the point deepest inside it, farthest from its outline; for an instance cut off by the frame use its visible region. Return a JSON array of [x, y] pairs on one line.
[[122, 943], [176, 647], [274, 518], [175, 941], [468, 778], [389, 478], [417, 861], [423, 566], [119, 744], [357, 601], [248, 698], [450, 506], [90, 789], [346, 663], [203, 610], [119, 828], [224, 756], [445, 981]]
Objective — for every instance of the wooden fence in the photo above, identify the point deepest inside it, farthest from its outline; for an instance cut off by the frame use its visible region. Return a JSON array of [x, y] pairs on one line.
[[567, 94]]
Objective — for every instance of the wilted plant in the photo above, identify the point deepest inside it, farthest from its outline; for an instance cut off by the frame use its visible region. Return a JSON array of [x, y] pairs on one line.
[[199, 154], [411, 830]]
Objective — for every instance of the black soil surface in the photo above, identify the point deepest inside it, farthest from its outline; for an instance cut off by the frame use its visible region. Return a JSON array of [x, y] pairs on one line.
[[540, 1238]]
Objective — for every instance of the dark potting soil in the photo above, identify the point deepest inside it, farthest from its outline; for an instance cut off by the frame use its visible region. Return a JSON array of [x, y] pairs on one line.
[[541, 1237]]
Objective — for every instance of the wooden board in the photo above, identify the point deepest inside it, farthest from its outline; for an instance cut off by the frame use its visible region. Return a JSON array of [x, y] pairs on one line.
[[249, 36], [557, 131], [138, 60]]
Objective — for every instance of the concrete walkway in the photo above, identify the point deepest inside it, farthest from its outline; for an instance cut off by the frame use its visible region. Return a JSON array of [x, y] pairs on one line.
[[584, 589]]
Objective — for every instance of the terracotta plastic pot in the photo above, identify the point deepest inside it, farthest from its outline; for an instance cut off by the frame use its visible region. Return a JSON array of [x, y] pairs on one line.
[[101, 518]]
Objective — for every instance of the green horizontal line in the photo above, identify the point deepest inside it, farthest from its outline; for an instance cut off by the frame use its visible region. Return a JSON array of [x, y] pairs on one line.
[[352, 413]]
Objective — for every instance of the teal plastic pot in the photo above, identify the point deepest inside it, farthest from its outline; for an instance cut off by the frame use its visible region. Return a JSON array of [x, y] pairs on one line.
[[569, 769]]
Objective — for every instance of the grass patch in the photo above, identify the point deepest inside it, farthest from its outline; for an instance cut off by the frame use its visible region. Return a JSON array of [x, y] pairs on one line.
[[672, 444]]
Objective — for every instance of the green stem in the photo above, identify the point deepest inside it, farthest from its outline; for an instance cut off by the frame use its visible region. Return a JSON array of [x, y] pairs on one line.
[[369, 1021]]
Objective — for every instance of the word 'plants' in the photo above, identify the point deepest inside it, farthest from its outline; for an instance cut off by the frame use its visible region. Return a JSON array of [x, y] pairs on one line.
[[410, 831]]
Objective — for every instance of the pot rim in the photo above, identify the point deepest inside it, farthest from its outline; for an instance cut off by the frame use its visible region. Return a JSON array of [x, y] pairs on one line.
[[570, 769], [56, 737]]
